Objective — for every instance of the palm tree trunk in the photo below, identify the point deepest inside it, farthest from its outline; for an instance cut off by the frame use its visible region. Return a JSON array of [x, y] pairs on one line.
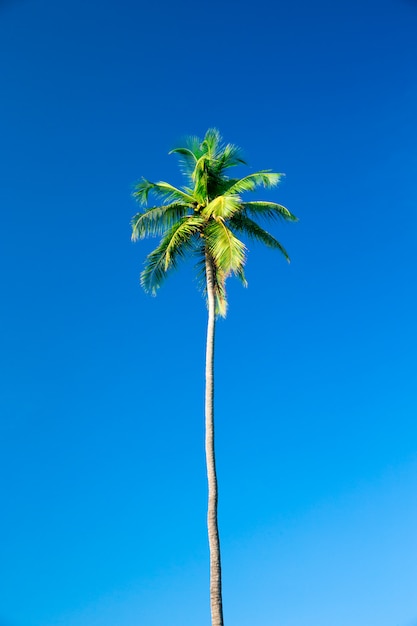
[[212, 525]]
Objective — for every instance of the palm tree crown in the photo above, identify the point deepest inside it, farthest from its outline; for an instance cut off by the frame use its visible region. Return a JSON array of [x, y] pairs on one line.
[[206, 216]]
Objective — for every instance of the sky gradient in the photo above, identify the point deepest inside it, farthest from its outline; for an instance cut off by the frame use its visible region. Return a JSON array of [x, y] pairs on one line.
[[103, 484]]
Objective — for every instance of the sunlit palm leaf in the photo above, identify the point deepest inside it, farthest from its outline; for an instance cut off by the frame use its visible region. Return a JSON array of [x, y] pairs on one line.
[[176, 244], [223, 207], [227, 251], [270, 210], [263, 178], [180, 236]]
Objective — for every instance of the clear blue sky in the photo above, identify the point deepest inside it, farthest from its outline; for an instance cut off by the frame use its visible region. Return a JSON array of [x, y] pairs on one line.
[[103, 485]]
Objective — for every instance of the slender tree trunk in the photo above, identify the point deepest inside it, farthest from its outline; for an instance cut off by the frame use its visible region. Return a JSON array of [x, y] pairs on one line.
[[212, 525]]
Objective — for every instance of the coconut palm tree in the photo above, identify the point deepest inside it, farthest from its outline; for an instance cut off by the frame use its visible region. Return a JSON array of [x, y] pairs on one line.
[[205, 219]]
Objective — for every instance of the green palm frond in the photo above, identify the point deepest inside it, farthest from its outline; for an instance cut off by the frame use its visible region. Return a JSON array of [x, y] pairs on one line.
[[212, 143], [188, 158], [243, 224], [193, 143], [263, 178], [270, 210], [241, 276], [175, 245], [189, 154], [156, 220], [230, 157], [227, 251], [186, 153], [200, 178], [216, 179], [201, 167], [162, 191], [222, 207]]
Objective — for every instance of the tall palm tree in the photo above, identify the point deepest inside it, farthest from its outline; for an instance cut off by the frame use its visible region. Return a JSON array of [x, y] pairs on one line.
[[203, 219]]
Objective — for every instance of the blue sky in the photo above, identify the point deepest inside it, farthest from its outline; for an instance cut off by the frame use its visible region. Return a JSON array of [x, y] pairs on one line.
[[101, 432]]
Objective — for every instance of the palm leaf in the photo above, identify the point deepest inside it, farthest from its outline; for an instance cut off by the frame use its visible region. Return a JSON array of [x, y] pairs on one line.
[[241, 275], [222, 206], [243, 224], [264, 178], [188, 160], [227, 251], [161, 190], [193, 144], [173, 247], [185, 152], [270, 210], [230, 157], [212, 143], [200, 178], [156, 220]]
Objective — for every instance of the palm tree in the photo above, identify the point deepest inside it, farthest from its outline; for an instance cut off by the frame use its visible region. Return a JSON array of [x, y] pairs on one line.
[[203, 219]]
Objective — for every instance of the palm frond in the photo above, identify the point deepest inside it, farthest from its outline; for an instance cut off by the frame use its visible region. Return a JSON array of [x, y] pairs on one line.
[[156, 220], [264, 178], [201, 167], [243, 224], [212, 143], [227, 251], [209, 178], [222, 207], [241, 275], [180, 234], [216, 180], [162, 191], [200, 177], [193, 143], [184, 152], [270, 210], [188, 160], [174, 246], [230, 157]]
